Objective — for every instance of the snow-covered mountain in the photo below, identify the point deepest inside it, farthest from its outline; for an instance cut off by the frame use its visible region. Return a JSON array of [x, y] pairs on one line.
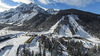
[[30, 30], [22, 13], [34, 18], [52, 11]]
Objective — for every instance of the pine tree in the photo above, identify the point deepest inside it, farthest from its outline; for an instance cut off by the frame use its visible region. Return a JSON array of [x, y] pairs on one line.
[[39, 48], [32, 53]]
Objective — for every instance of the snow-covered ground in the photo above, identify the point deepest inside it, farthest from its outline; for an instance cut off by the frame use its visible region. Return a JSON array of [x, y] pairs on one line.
[[4, 32], [15, 42]]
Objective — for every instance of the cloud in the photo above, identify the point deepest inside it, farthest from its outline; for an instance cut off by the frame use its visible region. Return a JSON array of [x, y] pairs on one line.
[[77, 3], [4, 6], [44, 1], [23, 1], [98, 0]]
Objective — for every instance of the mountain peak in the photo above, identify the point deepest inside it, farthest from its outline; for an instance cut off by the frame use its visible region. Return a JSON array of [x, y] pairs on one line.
[[26, 7], [52, 11]]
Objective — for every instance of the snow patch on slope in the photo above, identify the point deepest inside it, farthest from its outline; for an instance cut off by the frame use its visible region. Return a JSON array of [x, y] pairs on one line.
[[65, 31], [19, 18], [55, 25], [51, 30], [77, 28], [80, 31]]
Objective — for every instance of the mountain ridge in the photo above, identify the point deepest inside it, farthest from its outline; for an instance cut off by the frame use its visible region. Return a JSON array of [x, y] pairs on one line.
[[30, 17]]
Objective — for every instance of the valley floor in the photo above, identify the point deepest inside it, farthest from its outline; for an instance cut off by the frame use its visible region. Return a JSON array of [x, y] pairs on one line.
[[15, 45]]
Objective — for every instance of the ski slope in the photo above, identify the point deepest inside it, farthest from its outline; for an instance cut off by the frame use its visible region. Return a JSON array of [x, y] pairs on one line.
[[65, 31]]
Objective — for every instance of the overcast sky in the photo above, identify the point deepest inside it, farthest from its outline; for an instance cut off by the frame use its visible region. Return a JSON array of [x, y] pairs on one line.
[[86, 5]]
